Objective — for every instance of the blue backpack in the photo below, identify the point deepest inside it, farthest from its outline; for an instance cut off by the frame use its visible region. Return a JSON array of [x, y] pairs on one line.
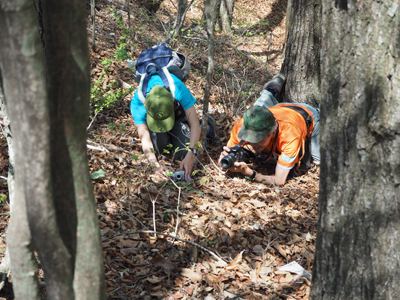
[[162, 60]]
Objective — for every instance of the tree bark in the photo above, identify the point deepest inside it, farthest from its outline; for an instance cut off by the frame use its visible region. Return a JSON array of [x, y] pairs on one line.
[[18, 68], [226, 14], [357, 254], [180, 18], [210, 13], [49, 119], [69, 88], [302, 47]]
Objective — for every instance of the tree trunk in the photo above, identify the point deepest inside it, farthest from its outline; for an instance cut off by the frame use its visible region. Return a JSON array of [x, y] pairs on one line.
[[18, 25], [49, 121], [210, 13], [69, 89], [357, 245], [226, 14], [302, 47], [180, 18]]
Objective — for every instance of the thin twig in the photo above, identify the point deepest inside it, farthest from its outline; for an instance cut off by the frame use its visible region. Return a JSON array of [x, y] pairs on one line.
[[154, 206], [219, 170], [182, 240], [269, 44], [266, 248], [91, 122], [97, 148], [93, 12], [177, 207]]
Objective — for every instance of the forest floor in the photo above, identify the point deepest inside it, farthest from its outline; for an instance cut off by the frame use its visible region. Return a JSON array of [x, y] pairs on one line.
[[232, 235]]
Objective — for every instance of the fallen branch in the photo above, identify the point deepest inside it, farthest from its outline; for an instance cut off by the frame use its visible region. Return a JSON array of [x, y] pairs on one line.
[[182, 240], [97, 148]]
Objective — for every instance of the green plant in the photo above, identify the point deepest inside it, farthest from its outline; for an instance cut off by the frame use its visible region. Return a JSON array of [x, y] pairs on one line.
[[105, 92], [123, 127], [167, 218], [111, 126], [3, 198]]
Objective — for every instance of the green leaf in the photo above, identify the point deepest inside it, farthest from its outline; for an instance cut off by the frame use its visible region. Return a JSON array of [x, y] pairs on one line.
[[98, 174], [204, 180]]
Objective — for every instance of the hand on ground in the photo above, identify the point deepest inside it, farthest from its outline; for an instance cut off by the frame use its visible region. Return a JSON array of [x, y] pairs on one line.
[[187, 165]]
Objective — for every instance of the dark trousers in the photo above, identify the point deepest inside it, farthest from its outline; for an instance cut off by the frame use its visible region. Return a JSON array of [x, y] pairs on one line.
[[179, 137]]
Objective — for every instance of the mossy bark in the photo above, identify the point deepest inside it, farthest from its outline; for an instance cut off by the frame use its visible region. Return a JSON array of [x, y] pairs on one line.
[[357, 254]]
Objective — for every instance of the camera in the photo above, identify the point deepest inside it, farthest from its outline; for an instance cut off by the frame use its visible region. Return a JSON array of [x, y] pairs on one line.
[[237, 153], [179, 175]]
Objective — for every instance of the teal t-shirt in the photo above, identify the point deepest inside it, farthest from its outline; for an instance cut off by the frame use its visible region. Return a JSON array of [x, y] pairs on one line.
[[182, 95]]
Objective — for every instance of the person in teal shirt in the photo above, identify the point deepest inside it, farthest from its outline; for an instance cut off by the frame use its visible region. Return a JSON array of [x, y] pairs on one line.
[[163, 120]]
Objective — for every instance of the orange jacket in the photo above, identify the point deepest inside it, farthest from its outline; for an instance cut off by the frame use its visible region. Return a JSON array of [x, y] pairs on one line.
[[291, 137]]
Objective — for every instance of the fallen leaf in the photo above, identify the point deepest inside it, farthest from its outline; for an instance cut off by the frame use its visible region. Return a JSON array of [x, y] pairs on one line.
[[190, 289], [234, 262], [257, 204], [178, 295], [191, 275], [258, 249], [127, 251], [129, 243], [154, 279], [98, 174]]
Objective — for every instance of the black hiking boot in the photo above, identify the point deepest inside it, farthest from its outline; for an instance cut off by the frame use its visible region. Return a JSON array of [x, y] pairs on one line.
[[275, 85], [213, 137]]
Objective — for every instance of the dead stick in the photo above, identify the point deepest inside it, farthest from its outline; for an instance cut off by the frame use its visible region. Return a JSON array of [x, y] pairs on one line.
[[182, 240]]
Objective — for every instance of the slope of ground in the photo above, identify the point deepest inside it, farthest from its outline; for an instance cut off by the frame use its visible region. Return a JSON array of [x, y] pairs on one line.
[[220, 236]]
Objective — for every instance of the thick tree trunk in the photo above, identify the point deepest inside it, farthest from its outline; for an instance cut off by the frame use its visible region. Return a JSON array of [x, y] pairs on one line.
[[226, 14], [49, 121], [302, 47], [357, 254], [21, 72], [69, 88]]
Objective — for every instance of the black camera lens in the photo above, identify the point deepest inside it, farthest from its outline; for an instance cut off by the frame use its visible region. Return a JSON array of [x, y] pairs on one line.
[[227, 161]]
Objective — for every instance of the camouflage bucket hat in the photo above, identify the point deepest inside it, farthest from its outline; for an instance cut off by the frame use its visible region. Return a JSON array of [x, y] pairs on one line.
[[160, 110], [258, 120]]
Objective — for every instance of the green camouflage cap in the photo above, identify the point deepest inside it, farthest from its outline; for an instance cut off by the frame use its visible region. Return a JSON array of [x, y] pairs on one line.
[[160, 109], [258, 120]]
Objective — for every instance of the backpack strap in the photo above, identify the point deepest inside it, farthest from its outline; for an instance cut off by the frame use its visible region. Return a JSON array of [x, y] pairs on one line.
[[307, 118], [166, 77]]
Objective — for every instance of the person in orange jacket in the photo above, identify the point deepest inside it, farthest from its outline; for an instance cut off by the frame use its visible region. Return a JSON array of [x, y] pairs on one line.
[[288, 130]]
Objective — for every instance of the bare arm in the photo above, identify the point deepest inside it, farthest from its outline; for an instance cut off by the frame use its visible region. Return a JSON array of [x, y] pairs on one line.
[[147, 147], [279, 178], [195, 130]]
